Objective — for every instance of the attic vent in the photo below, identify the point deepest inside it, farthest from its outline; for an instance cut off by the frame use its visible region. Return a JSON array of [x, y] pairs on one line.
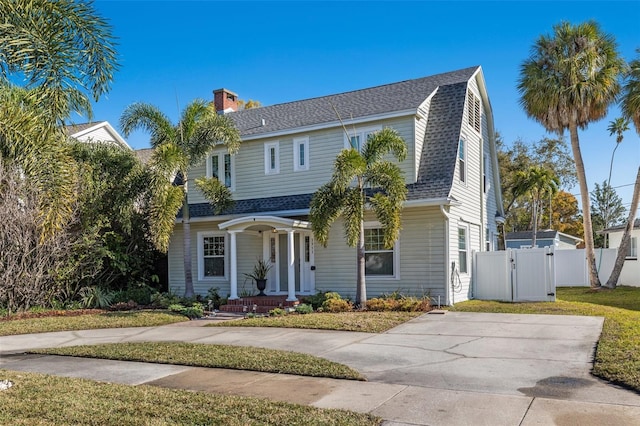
[[473, 110], [264, 122]]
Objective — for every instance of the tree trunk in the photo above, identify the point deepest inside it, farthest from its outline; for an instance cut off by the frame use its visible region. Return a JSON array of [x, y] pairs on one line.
[[361, 292], [612, 282], [186, 229], [586, 206]]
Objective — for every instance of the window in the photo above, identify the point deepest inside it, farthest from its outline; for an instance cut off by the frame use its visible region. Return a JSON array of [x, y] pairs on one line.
[[357, 138], [462, 250], [473, 111], [220, 166], [211, 255], [379, 261], [485, 164], [300, 154], [462, 165], [271, 158], [632, 249]]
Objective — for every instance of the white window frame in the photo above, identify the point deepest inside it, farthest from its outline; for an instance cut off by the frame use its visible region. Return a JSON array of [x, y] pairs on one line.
[[462, 161], [221, 155], [464, 228], [362, 133], [632, 249], [297, 142], [271, 169], [200, 238], [396, 257]]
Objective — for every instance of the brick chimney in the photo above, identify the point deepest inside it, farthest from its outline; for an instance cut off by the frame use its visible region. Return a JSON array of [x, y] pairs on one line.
[[225, 101]]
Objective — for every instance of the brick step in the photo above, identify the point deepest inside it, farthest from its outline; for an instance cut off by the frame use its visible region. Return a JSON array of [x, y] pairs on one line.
[[263, 304]]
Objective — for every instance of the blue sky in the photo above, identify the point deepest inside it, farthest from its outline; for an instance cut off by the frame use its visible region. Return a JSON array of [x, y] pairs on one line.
[[172, 52]]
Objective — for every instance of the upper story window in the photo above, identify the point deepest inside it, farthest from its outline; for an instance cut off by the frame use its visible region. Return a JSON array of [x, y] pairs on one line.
[[380, 262], [462, 163], [359, 137], [473, 111], [300, 154], [485, 182], [212, 255], [271, 158], [220, 165], [632, 248]]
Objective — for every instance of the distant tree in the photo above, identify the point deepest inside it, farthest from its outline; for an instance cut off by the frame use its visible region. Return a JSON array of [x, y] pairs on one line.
[[607, 211], [250, 104], [379, 183], [565, 215], [177, 148], [536, 183], [569, 81]]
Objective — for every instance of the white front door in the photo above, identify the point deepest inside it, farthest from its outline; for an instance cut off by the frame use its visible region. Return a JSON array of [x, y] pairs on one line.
[[275, 250]]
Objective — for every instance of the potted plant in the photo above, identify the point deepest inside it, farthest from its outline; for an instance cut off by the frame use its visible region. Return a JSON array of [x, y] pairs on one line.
[[259, 275]]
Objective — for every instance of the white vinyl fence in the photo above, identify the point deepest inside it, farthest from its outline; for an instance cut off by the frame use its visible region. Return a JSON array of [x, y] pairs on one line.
[[533, 274]]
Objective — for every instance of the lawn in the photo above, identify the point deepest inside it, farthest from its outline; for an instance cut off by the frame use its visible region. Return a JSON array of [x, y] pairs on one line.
[[367, 322], [37, 399], [213, 356], [618, 354], [68, 322]]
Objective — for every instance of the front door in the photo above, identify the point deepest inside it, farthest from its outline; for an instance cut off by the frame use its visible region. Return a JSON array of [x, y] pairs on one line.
[[275, 249]]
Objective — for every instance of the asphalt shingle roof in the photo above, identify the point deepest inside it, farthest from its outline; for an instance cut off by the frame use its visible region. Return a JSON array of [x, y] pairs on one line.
[[389, 98], [256, 205]]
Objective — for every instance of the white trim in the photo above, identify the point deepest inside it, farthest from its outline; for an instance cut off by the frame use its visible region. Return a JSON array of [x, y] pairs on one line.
[[331, 124], [221, 154], [297, 167], [108, 127], [275, 222], [467, 249], [268, 169], [200, 239], [396, 257], [462, 141]]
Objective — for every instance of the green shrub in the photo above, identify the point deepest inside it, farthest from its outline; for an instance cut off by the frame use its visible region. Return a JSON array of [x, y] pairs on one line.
[[213, 295], [316, 300], [377, 304], [164, 300], [303, 308], [276, 312], [196, 310], [95, 297], [332, 295], [139, 293], [336, 305], [406, 304]]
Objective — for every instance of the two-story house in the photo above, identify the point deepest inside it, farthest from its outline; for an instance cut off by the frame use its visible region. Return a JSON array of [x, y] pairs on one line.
[[288, 151]]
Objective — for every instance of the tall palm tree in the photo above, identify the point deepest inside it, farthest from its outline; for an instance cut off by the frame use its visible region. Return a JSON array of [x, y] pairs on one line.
[[361, 180], [177, 148], [536, 182], [569, 81], [631, 110], [63, 49]]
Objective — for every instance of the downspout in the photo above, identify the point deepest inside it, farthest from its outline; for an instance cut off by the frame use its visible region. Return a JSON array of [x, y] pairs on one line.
[[446, 254]]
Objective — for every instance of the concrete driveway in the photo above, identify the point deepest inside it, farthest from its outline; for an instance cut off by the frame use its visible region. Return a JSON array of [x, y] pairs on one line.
[[438, 369]]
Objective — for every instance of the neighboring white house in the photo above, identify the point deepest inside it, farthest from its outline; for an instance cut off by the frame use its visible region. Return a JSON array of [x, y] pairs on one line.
[[98, 132], [288, 151], [544, 238], [630, 274]]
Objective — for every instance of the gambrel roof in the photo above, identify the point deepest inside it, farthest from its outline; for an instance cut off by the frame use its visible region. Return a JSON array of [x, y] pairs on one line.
[[405, 96]]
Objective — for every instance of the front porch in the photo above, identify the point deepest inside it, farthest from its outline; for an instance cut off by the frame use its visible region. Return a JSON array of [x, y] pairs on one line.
[[261, 304]]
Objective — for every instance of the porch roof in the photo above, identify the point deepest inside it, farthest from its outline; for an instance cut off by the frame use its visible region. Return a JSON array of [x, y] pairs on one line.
[[266, 222]]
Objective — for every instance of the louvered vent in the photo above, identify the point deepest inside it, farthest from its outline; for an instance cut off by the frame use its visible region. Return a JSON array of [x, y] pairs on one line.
[[473, 110]]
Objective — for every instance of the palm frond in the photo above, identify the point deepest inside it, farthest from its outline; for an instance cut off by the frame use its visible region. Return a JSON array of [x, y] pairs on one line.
[[326, 205], [218, 195], [631, 98], [348, 165], [383, 142], [388, 177], [353, 214], [142, 116]]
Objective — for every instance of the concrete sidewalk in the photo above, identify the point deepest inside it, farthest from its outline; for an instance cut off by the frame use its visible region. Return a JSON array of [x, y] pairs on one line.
[[451, 369]]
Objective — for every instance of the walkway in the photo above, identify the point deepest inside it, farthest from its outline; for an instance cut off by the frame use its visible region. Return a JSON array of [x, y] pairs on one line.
[[448, 369]]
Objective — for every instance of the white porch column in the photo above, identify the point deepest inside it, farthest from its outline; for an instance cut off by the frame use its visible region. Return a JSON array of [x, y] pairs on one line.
[[291, 257], [233, 276]]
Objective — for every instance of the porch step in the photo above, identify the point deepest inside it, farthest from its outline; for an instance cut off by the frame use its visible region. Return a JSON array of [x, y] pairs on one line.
[[263, 304]]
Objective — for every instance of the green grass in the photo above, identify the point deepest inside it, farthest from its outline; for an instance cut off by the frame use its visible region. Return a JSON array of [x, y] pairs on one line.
[[38, 400], [367, 322], [86, 322], [214, 356], [618, 354]]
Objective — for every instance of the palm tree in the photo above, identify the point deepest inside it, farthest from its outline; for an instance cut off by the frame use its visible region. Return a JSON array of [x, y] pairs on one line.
[[631, 110], [570, 80], [176, 149], [62, 49], [363, 180], [536, 182]]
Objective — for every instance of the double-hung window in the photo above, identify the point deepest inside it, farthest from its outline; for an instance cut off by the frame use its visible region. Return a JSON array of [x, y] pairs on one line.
[[358, 138], [212, 249], [462, 163], [379, 260], [300, 154], [271, 158], [632, 248], [463, 250], [220, 166]]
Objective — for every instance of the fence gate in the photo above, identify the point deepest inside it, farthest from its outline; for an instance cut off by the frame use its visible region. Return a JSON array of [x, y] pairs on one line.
[[516, 275]]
